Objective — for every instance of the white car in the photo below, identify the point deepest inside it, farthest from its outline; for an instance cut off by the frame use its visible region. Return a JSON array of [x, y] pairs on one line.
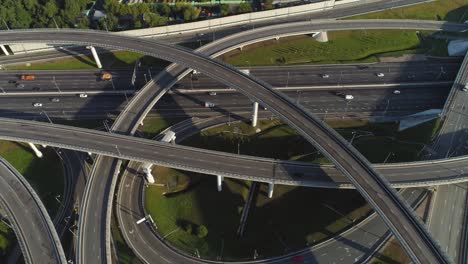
[[212, 93], [325, 76], [37, 104], [380, 74], [83, 95], [465, 88], [397, 92], [349, 97]]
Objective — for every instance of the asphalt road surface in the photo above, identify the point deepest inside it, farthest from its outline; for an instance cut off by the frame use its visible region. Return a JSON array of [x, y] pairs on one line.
[[300, 119], [30, 220]]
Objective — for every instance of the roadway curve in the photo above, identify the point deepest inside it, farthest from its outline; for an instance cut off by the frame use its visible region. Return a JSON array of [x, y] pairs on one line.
[[395, 212], [33, 227]]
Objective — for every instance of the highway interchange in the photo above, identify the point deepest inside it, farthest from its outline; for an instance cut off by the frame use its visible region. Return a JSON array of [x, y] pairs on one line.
[[267, 104]]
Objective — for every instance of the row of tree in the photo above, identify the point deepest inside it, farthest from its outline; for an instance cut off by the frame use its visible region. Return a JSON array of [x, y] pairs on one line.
[[18, 14], [42, 13]]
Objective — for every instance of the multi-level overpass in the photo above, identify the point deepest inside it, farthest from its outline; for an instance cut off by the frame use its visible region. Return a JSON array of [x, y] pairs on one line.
[[242, 83], [30, 220]]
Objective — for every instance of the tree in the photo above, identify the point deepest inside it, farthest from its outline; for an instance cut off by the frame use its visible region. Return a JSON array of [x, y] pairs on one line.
[[165, 9], [154, 20], [245, 8], [191, 13], [23, 18], [50, 9], [268, 4], [224, 10], [202, 231]]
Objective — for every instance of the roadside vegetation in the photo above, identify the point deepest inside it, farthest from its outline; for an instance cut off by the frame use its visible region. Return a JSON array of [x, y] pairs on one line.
[[45, 176], [182, 202], [448, 10], [356, 46]]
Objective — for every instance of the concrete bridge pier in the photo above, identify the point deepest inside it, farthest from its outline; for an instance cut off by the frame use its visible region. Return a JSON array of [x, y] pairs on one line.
[[255, 114], [4, 50], [36, 150], [147, 170], [96, 57], [321, 36], [271, 186], [219, 180]]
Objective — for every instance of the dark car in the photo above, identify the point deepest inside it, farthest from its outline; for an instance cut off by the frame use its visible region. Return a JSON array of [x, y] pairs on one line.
[[12, 81], [36, 89]]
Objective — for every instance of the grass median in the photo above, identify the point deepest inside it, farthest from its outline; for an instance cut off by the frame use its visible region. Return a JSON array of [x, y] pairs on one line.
[[356, 46], [448, 10]]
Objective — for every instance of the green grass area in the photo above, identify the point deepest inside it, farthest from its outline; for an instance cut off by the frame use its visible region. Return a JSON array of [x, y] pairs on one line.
[[153, 125], [449, 10], [45, 176], [273, 222], [342, 47], [110, 61]]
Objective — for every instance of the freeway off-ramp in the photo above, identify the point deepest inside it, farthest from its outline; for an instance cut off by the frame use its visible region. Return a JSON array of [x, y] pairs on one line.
[[412, 234], [30, 220]]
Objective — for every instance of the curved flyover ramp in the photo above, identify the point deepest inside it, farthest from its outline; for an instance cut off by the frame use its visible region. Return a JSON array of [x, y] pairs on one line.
[[33, 227], [393, 210]]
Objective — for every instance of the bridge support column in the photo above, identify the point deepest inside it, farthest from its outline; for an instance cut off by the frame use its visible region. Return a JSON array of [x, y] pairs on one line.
[[271, 186], [96, 57], [147, 171], [321, 36], [241, 47], [277, 38], [4, 50], [36, 150], [255, 114], [220, 182], [44, 146]]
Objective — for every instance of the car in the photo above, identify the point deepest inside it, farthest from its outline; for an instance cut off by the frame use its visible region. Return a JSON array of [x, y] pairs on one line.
[[349, 97], [264, 108], [19, 85], [209, 104], [212, 93], [11, 81], [36, 89], [465, 88], [380, 74], [37, 104], [55, 100], [83, 95], [396, 92], [325, 76]]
